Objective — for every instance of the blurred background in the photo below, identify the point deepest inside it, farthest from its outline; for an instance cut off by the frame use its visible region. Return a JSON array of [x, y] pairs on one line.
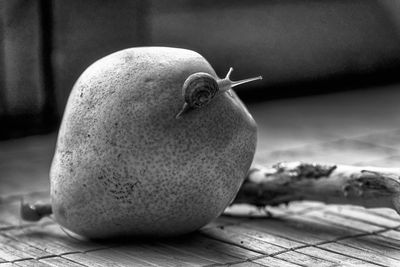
[[300, 47]]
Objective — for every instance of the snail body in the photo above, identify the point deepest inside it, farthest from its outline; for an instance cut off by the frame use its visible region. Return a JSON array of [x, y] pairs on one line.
[[124, 165]]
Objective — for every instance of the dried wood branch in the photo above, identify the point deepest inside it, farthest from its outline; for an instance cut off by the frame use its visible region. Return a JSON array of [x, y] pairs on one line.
[[336, 184]]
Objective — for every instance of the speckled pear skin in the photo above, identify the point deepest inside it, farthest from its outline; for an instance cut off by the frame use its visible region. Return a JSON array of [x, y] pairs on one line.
[[124, 165]]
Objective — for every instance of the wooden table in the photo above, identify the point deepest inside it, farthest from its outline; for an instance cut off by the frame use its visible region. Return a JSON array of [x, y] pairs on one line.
[[351, 128]]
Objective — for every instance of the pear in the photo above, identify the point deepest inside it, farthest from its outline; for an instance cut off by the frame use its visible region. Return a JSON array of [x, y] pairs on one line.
[[126, 164]]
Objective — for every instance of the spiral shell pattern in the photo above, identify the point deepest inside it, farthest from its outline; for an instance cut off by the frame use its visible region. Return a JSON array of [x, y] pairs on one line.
[[199, 89]]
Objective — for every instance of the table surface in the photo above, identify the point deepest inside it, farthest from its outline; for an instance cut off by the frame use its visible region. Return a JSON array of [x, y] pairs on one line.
[[357, 127]]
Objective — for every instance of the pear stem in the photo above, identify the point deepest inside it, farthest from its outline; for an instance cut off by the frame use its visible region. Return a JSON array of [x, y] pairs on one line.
[[35, 212]]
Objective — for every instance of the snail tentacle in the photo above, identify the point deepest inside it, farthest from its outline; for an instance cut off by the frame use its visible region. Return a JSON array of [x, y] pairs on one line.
[[227, 84]]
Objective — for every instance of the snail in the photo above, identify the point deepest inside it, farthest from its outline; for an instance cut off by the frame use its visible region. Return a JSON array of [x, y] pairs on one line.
[[200, 88]]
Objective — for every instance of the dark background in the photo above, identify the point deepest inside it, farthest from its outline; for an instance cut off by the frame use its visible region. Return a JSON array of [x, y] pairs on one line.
[[300, 47]]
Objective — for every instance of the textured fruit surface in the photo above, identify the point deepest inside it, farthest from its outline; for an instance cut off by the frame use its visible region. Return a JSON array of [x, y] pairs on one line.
[[124, 165]]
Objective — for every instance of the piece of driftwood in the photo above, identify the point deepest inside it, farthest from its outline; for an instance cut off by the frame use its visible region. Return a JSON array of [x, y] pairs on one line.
[[336, 184]]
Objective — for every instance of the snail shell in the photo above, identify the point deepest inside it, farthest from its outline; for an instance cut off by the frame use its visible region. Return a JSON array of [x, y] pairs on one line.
[[199, 89]]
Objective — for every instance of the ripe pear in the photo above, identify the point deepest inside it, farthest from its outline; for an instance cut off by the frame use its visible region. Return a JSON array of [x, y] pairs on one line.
[[125, 165]]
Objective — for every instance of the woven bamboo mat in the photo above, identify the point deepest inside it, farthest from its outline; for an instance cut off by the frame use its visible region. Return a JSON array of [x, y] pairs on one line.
[[299, 234]]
